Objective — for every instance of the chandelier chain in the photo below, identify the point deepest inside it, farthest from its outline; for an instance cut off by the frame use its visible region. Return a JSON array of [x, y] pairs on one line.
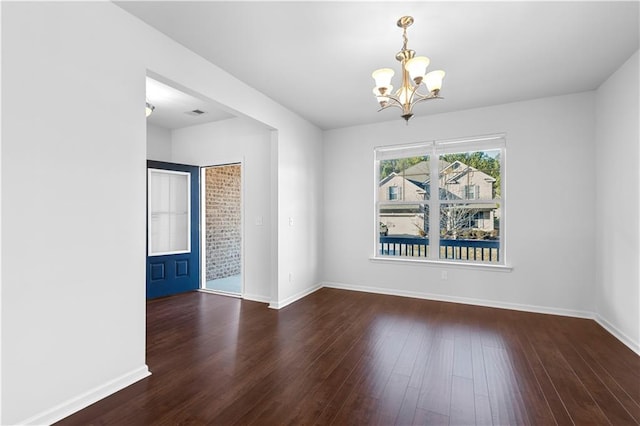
[[404, 38]]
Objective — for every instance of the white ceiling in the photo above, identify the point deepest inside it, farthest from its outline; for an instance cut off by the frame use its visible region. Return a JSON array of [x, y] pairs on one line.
[[174, 107], [316, 58]]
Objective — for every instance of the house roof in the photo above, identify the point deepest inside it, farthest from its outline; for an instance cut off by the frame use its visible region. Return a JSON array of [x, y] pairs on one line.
[[388, 178], [421, 172], [464, 170]]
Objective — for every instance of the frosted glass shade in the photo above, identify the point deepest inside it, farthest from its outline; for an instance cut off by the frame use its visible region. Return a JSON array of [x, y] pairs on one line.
[[383, 77], [404, 95], [433, 80], [417, 67]]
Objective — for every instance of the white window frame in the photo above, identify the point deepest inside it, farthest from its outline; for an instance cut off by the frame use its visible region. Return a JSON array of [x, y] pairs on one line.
[[150, 251], [434, 149]]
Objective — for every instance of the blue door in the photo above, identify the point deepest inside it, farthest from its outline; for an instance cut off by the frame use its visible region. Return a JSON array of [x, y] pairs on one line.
[[173, 222]]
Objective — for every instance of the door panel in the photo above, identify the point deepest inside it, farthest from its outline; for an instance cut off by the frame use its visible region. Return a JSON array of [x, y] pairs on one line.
[[173, 218]]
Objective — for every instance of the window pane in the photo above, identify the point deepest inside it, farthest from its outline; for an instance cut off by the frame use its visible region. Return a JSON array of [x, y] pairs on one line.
[[470, 232], [470, 175], [404, 179], [169, 225], [404, 229]]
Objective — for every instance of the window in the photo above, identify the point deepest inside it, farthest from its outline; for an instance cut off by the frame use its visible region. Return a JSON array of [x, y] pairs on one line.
[[471, 192], [393, 193], [169, 212], [463, 223]]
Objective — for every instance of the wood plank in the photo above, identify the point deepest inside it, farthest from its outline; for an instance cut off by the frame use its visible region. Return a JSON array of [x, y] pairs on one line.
[[507, 406], [462, 410], [429, 418], [408, 406], [462, 355], [436, 385], [535, 403], [390, 401], [482, 410]]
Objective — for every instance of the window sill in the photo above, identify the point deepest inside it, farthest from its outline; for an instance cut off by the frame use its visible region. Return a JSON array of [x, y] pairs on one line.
[[442, 263]]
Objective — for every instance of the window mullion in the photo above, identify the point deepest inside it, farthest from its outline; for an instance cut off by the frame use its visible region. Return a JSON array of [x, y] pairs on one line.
[[434, 206]]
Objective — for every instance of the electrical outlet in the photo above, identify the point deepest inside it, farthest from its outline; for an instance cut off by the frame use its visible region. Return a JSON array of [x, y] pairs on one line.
[[290, 277], [443, 275]]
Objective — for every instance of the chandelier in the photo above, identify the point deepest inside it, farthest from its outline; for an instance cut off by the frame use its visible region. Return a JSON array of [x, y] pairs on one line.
[[413, 75]]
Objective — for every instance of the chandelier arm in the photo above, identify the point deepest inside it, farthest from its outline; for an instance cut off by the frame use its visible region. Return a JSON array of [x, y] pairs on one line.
[[426, 97], [393, 102], [389, 106], [417, 96]]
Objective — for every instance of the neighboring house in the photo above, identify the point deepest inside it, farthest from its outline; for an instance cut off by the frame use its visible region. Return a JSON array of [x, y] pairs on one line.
[[464, 182], [458, 181], [401, 219]]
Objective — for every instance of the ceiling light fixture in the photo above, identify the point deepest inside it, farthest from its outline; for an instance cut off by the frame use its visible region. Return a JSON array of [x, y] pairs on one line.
[[149, 108], [413, 75]]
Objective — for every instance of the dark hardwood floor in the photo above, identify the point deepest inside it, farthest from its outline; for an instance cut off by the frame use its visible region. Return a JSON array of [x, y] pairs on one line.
[[339, 357]]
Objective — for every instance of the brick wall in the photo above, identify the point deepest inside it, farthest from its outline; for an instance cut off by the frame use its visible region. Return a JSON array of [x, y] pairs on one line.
[[223, 221]]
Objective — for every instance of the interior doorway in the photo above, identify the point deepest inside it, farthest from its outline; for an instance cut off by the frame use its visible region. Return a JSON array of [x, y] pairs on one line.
[[222, 263]]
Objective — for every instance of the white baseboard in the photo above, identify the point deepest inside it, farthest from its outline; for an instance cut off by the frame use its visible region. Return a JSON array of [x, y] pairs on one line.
[[464, 300], [219, 293], [289, 300], [76, 404], [256, 298], [634, 346]]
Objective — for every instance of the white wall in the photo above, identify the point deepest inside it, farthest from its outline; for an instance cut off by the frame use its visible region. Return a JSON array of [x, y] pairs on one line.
[[549, 207], [158, 143], [230, 141], [300, 208], [617, 243], [73, 188]]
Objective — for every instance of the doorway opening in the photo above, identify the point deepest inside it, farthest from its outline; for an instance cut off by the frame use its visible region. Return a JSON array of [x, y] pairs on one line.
[[222, 229]]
